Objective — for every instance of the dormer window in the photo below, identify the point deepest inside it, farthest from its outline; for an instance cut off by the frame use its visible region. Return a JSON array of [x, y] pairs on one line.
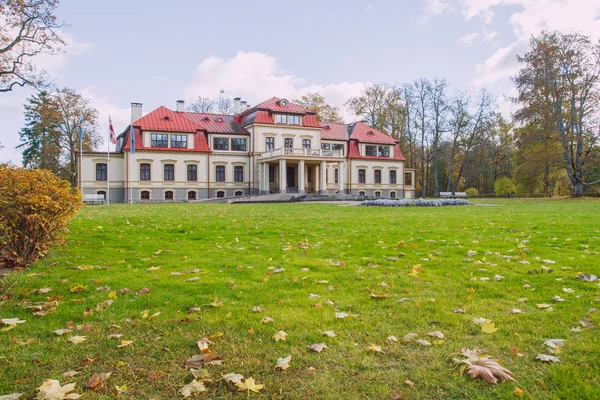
[[285, 119], [166, 118], [219, 119], [283, 103]]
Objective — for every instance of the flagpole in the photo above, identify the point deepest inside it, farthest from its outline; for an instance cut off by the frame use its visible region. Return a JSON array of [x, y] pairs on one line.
[[108, 164], [132, 139], [81, 152]]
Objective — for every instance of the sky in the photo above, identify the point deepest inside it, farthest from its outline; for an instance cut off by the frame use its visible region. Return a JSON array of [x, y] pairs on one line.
[[156, 52]]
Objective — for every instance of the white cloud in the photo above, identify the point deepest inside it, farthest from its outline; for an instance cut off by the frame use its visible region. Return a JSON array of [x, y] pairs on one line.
[[436, 7], [487, 36], [256, 77], [369, 7], [502, 64], [468, 39], [120, 116], [53, 63]]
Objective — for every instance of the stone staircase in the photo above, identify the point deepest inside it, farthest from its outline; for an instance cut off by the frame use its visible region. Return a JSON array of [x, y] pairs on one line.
[[283, 198]]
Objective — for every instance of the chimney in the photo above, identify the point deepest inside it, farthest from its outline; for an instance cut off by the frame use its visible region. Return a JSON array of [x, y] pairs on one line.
[[236, 106], [180, 106], [243, 105], [136, 111]]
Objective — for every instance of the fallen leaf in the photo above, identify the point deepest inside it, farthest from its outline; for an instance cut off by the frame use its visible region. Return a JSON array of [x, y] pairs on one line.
[[409, 336], [374, 348], [12, 396], [487, 369], [281, 335], [284, 363], [77, 288], [488, 327], [201, 374], [233, 378], [60, 332], [201, 360], [318, 347], [77, 339], [142, 291], [249, 384], [97, 381], [392, 338], [587, 277], [266, 320], [125, 343], [194, 387], [423, 342], [409, 383], [436, 334], [547, 358], [70, 374], [52, 390], [329, 333], [518, 392]]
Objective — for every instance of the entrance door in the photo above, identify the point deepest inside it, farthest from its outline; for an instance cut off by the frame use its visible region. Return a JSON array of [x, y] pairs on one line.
[[291, 177]]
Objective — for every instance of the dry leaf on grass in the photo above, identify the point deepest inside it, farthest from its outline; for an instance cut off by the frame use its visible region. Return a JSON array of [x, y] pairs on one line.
[[547, 358], [52, 390], [203, 359], [201, 374], [284, 363], [60, 332], [12, 396], [97, 381], [125, 343], [194, 387], [587, 277], [77, 339], [281, 335], [374, 348], [232, 377], [423, 342], [487, 369], [436, 334], [318, 347], [488, 327], [249, 384]]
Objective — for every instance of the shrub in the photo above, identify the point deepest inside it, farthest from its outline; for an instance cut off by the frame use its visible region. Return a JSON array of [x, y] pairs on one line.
[[472, 192], [504, 187], [35, 207], [414, 203]]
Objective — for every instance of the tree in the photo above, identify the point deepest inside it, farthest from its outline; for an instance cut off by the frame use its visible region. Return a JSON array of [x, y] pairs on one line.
[[370, 105], [421, 98], [50, 138], [28, 29], [559, 86], [504, 187], [40, 135], [439, 110], [202, 105], [317, 104]]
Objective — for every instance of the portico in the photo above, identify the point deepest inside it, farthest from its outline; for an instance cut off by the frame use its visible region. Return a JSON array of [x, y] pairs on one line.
[[290, 175]]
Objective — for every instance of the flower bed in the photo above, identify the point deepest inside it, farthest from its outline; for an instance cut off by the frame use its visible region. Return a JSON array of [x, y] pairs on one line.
[[415, 203]]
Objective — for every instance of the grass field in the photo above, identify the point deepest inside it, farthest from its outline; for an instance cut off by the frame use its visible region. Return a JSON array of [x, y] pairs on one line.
[[278, 257]]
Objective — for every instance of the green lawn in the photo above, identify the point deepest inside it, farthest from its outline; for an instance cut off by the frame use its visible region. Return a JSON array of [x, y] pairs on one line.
[[342, 254]]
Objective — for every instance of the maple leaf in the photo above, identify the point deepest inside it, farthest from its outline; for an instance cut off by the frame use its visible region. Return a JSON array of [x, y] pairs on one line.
[[423, 342], [233, 378], [193, 387], [257, 309], [281, 335], [554, 343], [201, 360], [543, 305], [284, 363], [547, 358], [586, 323], [97, 381], [70, 374], [142, 291], [374, 348], [487, 369], [488, 327], [125, 343], [318, 347], [329, 333], [52, 390], [44, 290], [479, 321], [515, 311], [115, 336], [392, 338], [518, 392], [77, 339], [587, 277], [60, 332], [77, 288], [201, 374], [249, 384], [12, 396], [266, 320], [436, 334], [11, 322]]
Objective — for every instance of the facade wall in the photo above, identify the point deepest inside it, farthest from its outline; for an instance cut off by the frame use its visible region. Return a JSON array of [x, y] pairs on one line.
[[279, 133]]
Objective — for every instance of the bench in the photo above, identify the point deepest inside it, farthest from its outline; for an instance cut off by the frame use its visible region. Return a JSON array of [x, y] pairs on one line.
[[94, 198], [452, 195]]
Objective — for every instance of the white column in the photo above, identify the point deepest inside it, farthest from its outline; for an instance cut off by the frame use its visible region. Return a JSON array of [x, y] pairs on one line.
[[323, 180], [261, 177], [265, 178], [341, 177], [301, 176], [282, 176]]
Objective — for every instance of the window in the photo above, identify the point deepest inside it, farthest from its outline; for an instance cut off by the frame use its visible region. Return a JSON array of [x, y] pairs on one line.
[[338, 147], [220, 193], [392, 195], [392, 176], [169, 172], [168, 195], [378, 194], [239, 193], [144, 172], [336, 176], [220, 175], [362, 176], [159, 140], [269, 144], [325, 146], [377, 176], [238, 144], [192, 195], [371, 151], [145, 195], [220, 143], [288, 143], [271, 173], [192, 172], [103, 193], [179, 141], [100, 172], [280, 119], [408, 178], [238, 174], [294, 119], [306, 143], [361, 194], [383, 151]]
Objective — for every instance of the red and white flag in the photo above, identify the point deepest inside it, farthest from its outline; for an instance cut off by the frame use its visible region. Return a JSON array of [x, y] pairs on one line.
[[113, 138]]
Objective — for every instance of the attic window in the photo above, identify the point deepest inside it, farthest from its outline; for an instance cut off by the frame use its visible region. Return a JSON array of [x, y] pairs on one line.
[[326, 127], [283, 103], [219, 119], [166, 118], [205, 119], [370, 133]]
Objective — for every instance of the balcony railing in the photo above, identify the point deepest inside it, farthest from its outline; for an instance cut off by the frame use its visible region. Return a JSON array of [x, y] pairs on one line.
[[302, 152]]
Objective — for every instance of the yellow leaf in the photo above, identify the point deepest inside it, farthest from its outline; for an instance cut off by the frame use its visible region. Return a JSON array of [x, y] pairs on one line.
[[281, 335], [125, 343], [518, 392], [488, 327], [249, 384], [77, 288], [112, 295]]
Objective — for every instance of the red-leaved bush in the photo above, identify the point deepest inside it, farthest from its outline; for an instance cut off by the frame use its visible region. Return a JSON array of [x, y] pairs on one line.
[[35, 208]]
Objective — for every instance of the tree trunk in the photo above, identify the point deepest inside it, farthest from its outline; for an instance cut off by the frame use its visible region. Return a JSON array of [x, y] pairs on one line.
[[578, 189]]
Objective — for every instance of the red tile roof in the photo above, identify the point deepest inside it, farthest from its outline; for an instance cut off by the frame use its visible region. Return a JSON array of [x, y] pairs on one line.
[[365, 134], [216, 123], [200, 143], [334, 131], [310, 120], [164, 120], [274, 105], [354, 152], [263, 113]]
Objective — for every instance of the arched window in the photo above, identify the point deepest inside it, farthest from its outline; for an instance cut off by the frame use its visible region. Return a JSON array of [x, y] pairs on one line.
[[377, 194], [103, 193], [220, 193], [361, 194], [169, 195], [392, 195], [239, 193], [192, 195], [145, 195]]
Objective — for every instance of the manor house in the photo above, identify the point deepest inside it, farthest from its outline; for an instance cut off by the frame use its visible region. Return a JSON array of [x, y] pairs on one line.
[[273, 147]]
